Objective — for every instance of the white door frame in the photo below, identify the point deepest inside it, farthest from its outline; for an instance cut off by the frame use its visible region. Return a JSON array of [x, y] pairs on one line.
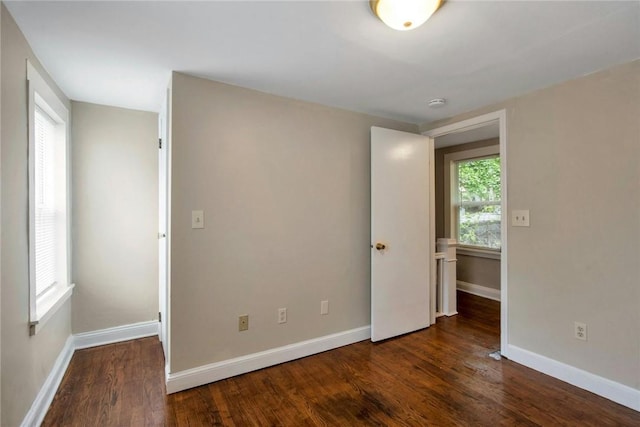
[[164, 206], [469, 124]]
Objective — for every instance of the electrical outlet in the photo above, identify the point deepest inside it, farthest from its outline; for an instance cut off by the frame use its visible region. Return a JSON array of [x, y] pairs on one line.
[[324, 307], [197, 219], [243, 322], [282, 315], [580, 330]]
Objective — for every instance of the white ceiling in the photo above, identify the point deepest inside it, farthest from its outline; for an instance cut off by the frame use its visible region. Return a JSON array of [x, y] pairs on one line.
[[335, 53]]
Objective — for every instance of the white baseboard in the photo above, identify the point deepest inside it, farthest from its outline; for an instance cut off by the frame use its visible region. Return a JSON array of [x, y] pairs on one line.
[[45, 396], [40, 405], [117, 334], [228, 368], [619, 393], [481, 291]]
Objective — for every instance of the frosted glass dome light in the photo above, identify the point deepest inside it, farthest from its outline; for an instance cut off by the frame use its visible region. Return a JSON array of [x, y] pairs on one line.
[[404, 15]]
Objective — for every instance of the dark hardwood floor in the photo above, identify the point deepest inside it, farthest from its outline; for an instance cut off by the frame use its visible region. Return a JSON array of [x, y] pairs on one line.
[[440, 376]]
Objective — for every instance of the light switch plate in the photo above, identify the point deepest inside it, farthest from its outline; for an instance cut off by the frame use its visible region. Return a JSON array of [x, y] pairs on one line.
[[197, 219], [520, 218], [324, 307]]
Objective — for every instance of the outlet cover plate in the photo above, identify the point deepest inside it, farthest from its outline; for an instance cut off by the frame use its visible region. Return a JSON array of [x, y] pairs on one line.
[[197, 219], [282, 315], [324, 307], [243, 322], [580, 330]]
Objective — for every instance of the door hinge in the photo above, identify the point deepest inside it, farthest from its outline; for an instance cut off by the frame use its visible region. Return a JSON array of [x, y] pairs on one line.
[[159, 316], [160, 143]]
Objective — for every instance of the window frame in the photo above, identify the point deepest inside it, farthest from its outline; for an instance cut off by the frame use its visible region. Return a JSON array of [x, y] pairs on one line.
[[43, 307], [450, 192]]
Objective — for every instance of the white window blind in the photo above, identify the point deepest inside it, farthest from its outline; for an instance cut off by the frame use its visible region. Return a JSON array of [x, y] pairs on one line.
[[46, 229], [49, 264]]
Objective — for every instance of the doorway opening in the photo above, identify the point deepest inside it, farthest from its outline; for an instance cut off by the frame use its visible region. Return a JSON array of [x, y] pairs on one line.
[[470, 177]]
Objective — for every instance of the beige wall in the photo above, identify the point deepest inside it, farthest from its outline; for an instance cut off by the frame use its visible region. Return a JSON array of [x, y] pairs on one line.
[[470, 269], [478, 271], [115, 216], [573, 153], [26, 360], [285, 189]]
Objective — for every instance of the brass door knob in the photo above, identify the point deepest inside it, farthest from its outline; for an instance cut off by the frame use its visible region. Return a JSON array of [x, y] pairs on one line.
[[380, 246]]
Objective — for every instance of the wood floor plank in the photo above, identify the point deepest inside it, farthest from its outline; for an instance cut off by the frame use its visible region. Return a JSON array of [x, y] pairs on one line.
[[440, 376]]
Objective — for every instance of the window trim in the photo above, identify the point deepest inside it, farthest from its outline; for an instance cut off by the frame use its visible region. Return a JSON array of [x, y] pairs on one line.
[[478, 252], [450, 182], [43, 307]]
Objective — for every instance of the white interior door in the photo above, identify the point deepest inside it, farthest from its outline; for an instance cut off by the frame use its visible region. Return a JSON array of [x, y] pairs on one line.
[[163, 205], [401, 241]]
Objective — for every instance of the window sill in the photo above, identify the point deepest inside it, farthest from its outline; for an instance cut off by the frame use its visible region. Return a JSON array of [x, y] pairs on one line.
[[478, 252], [48, 305]]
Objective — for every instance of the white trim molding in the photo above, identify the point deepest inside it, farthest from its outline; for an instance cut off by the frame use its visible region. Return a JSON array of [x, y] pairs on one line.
[[117, 334], [619, 393], [206, 374], [451, 183], [44, 303], [501, 117], [45, 396], [479, 290], [478, 253], [48, 306]]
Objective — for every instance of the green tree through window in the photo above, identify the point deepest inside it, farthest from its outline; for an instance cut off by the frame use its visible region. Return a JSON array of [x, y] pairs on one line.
[[478, 202]]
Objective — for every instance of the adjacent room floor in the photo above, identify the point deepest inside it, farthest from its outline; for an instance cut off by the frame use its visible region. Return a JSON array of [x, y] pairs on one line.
[[439, 376]]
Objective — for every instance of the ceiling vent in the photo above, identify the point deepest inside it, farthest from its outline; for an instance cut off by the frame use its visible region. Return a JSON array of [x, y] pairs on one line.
[[437, 102]]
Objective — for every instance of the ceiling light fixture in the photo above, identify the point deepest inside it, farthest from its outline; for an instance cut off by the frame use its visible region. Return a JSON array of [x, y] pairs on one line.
[[404, 15]]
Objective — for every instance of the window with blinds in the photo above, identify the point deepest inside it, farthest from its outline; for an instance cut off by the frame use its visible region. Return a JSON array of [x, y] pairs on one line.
[[46, 230], [49, 262]]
